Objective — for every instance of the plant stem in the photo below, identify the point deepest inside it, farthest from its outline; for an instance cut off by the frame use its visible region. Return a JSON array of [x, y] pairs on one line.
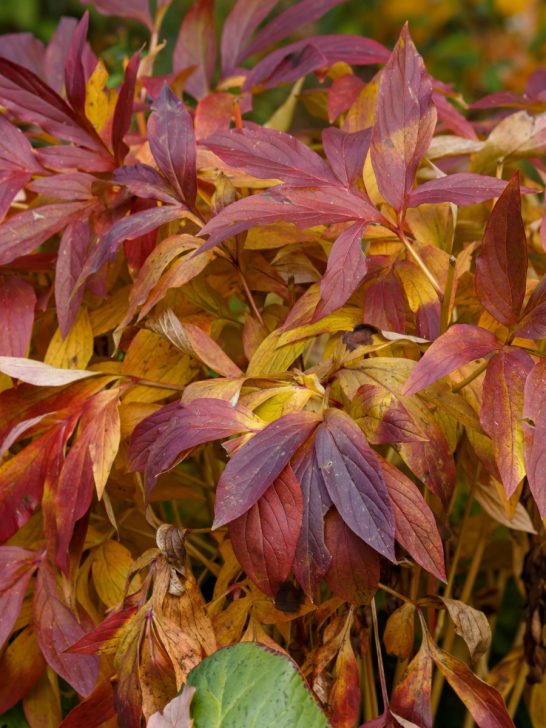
[[393, 592], [476, 373], [517, 690], [446, 301], [382, 679], [251, 300]]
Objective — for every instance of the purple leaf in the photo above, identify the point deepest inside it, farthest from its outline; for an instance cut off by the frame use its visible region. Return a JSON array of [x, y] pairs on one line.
[[196, 46], [57, 52], [70, 186], [305, 207], [123, 112], [354, 480], [295, 60], [128, 228], [463, 188], [136, 9], [347, 266], [312, 557], [270, 154], [147, 432], [346, 153], [146, 182], [404, 122], [452, 118], [459, 345], [203, 420], [74, 75], [16, 151], [25, 50], [56, 629], [257, 464], [67, 157], [242, 21], [288, 22], [70, 260], [172, 142], [22, 233]]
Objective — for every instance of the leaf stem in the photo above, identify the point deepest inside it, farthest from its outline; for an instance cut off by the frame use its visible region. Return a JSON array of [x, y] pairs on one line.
[[420, 262]]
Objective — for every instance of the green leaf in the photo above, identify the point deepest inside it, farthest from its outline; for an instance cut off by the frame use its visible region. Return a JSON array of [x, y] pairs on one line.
[[250, 685]]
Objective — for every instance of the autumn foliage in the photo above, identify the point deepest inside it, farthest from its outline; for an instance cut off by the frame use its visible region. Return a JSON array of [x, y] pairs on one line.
[[279, 383]]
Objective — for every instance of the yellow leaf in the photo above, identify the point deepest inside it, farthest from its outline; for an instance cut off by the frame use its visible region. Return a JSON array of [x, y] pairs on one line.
[[154, 358], [99, 101], [111, 564], [42, 706], [270, 357], [76, 350]]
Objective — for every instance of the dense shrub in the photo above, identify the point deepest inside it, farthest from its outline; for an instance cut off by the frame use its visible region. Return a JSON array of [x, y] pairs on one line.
[[279, 383]]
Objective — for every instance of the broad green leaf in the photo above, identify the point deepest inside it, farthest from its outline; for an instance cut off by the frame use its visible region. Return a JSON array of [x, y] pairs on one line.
[[250, 685]]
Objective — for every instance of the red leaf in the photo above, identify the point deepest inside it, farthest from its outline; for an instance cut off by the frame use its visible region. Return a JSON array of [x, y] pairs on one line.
[[196, 46], [534, 430], [270, 154], [56, 629], [353, 573], [34, 102], [93, 641], [244, 18], [203, 420], [312, 557], [384, 302], [257, 464], [501, 412], [22, 481], [213, 114], [416, 528], [17, 302], [411, 698], [172, 142], [347, 266], [345, 696], [264, 538], [95, 710], [16, 568], [501, 266], [22, 233], [16, 151], [354, 481], [459, 345], [342, 94], [346, 153], [482, 701], [123, 113], [303, 206], [404, 121], [532, 324], [463, 188]]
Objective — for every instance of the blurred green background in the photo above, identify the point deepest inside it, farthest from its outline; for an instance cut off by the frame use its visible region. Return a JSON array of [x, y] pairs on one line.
[[479, 45]]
